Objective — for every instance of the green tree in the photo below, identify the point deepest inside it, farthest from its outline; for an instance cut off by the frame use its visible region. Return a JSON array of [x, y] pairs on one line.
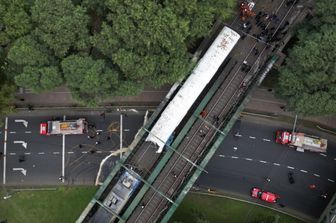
[[308, 80], [15, 20], [26, 51], [89, 80], [39, 78], [60, 25]]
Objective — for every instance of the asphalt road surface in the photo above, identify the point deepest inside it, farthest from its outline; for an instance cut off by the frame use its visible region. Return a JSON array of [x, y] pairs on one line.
[[249, 155], [33, 159]]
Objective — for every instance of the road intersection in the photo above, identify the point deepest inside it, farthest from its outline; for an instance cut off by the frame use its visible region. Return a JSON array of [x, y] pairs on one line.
[[32, 159]]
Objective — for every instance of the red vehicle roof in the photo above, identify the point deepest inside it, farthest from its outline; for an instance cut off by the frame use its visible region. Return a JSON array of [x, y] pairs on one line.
[[269, 197], [264, 195], [43, 128], [282, 137]]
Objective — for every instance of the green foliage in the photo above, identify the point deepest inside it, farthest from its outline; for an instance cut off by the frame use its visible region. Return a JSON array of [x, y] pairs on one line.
[[103, 48], [15, 20], [39, 78], [60, 25], [26, 51], [308, 80], [89, 80]]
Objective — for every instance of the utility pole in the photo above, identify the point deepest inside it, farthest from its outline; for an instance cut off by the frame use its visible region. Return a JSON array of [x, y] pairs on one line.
[[294, 124]]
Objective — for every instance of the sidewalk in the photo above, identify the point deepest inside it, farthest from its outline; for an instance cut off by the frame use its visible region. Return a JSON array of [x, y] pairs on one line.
[[262, 101]]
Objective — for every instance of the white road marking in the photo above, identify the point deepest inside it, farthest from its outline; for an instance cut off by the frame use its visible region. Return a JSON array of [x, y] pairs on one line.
[[221, 155], [234, 157], [276, 164], [249, 159], [262, 161], [304, 171], [126, 130], [63, 154], [99, 151], [322, 154], [235, 148], [121, 135], [12, 154], [84, 152], [316, 175], [56, 153], [23, 171], [5, 152], [267, 140], [24, 122], [70, 152], [41, 153], [331, 180], [28, 131], [290, 167], [12, 132], [252, 137], [27, 153], [238, 135], [23, 143]]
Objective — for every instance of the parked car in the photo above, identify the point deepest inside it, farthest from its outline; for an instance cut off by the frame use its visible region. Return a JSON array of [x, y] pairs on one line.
[[264, 195]]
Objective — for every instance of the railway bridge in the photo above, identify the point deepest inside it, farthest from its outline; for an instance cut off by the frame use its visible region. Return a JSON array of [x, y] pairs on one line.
[[174, 146]]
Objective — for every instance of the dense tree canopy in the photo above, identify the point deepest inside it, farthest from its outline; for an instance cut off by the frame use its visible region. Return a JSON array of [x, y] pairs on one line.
[[103, 48], [308, 80]]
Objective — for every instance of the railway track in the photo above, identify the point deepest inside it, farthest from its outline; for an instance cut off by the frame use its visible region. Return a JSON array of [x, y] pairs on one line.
[[192, 147]]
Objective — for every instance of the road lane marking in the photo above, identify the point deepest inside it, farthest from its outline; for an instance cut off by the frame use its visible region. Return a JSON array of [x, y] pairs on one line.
[[276, 164], [41, 153], [252, 137], [316, 175], [121, 134], [238, 135], [322, 154], [235, 148], [23, 171], [234, 157], [5, 151], [262, 161], [221, 155], [24, 122], [99, 151], [23, 143], [304, 171], [249, 159], [267, 140], [63, 153], [56, 153], [331, 180], [12, 154], [290, 167], [70, 152], [12, 132], [28, 131], [27, 153], [126, 130], [84, 152]]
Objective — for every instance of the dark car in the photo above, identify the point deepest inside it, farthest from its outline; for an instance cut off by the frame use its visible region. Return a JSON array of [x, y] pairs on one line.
[[291, 178]]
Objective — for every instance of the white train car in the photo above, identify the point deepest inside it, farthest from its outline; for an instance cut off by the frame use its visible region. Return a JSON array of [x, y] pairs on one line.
[[204, 71]]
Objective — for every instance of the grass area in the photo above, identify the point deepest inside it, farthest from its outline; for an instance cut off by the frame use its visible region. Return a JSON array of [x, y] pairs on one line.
[[62, 205], [202, 208]]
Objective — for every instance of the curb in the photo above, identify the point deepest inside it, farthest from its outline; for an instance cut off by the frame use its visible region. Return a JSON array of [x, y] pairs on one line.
[[215, 194]]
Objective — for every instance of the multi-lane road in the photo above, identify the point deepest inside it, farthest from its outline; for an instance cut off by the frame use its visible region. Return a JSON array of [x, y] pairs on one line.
[[33, 159], [246, 159]]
